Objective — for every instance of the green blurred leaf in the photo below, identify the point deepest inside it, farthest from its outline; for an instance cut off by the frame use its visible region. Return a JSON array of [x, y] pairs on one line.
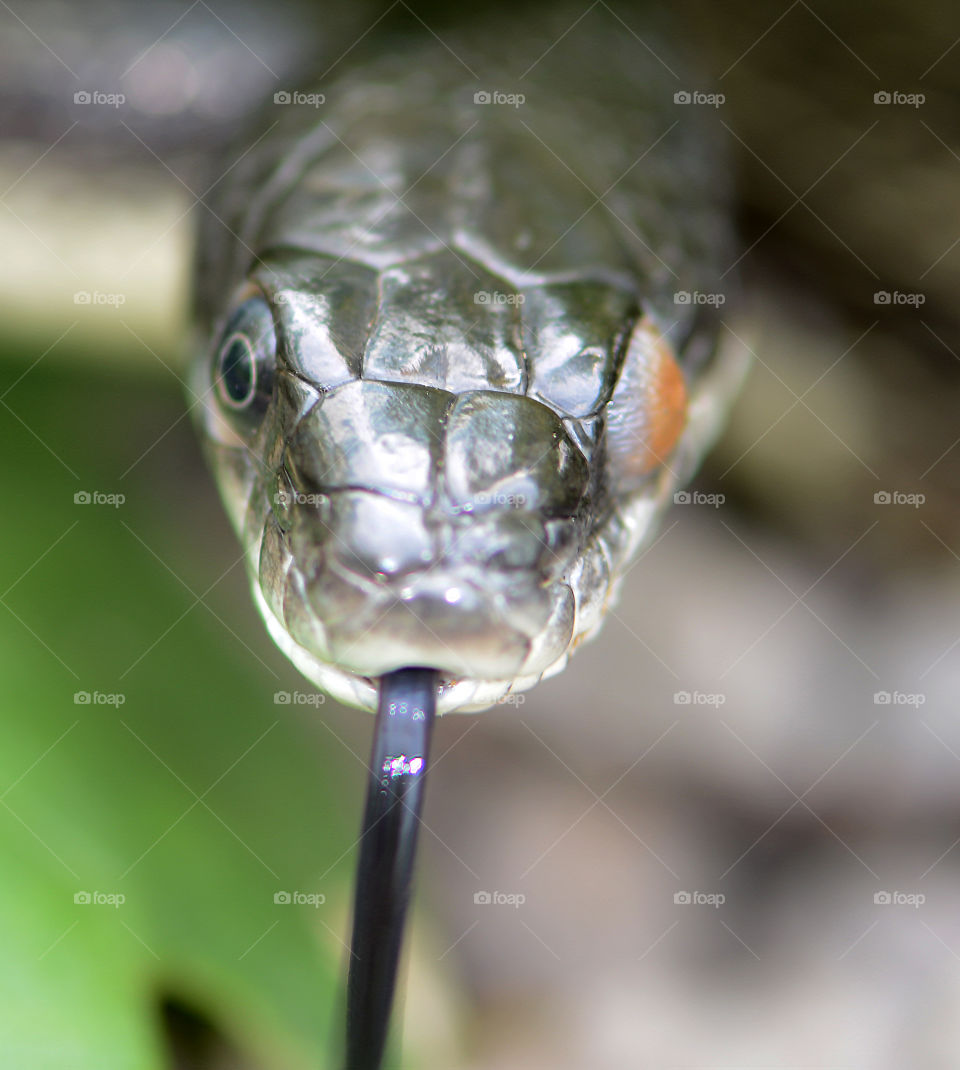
[[198, 798]]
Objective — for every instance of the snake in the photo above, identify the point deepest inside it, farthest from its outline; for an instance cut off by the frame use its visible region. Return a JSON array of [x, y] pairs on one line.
[[447, 391], [458, 348]]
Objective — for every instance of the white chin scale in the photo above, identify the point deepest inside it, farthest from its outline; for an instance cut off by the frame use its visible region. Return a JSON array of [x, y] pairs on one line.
[[456, 696]]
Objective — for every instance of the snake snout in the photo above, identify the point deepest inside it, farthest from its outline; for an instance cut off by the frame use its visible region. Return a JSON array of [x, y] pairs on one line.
[[375, 583], [432, 529]]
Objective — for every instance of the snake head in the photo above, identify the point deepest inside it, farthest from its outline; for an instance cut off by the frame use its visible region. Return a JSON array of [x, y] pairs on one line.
[[414, 491]]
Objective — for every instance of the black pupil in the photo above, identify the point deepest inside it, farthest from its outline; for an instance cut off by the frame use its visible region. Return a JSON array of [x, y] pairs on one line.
[[236, 370]]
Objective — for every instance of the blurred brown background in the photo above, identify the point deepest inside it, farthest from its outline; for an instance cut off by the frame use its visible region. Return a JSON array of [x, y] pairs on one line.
[[734, 821]]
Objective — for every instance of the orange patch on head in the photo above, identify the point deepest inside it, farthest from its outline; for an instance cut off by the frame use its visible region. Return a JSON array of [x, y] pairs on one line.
[[648, 410], [666, 404]]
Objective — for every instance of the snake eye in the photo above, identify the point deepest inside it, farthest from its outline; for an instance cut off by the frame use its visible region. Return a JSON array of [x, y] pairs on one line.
[[245, 361]]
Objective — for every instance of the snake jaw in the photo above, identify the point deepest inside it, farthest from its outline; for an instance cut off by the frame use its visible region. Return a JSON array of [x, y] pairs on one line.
[[456, 695]]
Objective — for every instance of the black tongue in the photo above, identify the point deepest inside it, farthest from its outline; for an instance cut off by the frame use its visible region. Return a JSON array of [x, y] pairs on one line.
[[398, 766]]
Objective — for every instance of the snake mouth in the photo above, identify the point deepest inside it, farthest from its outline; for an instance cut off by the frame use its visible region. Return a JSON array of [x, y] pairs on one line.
[[456, 693], [468, 620]]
